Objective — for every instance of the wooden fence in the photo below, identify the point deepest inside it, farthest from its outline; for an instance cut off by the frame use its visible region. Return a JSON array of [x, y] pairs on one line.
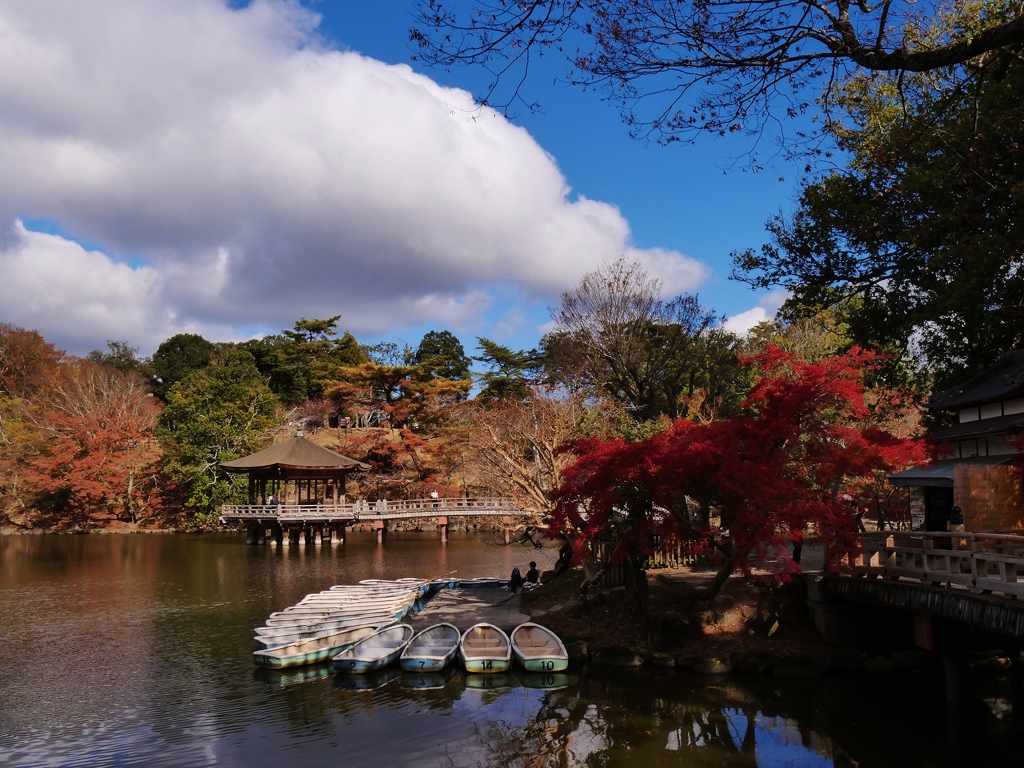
[[663, 557]]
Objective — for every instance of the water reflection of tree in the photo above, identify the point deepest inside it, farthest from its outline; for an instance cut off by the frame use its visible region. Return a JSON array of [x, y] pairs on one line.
[[571, 728]]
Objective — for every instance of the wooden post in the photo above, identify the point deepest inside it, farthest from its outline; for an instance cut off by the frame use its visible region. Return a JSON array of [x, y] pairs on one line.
[[293, 536], [263, 533], [341, 533], [307, 532], [252, 533], [442, 526], [278, 534], [507, 523], [381, 526], [954, 677]]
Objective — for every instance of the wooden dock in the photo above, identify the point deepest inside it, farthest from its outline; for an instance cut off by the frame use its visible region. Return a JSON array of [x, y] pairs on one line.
[[469, 606]]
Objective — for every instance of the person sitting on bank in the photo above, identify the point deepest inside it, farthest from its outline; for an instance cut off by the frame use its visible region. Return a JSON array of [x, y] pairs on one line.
[[515, 581], [533, 575]]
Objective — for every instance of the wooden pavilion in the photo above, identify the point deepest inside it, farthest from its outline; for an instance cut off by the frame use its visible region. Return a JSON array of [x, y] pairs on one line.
[[296, 471]]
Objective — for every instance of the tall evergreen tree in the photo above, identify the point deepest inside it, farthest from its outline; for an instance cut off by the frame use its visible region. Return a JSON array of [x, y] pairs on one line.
[[218, 413]]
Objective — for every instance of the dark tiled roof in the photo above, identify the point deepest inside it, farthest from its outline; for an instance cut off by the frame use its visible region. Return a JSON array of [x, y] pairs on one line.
[[1001, 425], [1003, 381], [294, 453], [940, 473]]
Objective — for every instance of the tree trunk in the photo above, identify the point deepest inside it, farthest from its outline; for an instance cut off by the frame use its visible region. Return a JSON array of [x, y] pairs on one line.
[[720, 578]]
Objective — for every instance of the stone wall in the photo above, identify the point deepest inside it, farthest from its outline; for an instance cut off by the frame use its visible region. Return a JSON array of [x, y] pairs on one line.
[[991, 497]]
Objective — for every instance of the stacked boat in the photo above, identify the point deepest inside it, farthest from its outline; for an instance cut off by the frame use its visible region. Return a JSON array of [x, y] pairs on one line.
[[356, 627], [323, 624]]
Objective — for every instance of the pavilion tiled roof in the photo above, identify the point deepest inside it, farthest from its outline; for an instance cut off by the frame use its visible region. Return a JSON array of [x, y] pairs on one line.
[[294, 453], [1003, 381]]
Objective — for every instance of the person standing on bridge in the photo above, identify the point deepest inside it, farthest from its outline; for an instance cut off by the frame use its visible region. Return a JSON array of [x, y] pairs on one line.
[[433, 499]]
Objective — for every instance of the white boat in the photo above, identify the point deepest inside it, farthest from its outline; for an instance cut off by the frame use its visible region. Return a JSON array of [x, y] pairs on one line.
[[378, 650], [313, 619], [482, 582], [431, 649], [311, 651], [538, 649], [268, 636], [484, 648]]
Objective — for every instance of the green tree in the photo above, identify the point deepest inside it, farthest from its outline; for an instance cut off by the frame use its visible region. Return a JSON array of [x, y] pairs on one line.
[[299, 363], [122, 356], [442, 354], [176, 358], [511, 371], [218, 413], [919, 238]]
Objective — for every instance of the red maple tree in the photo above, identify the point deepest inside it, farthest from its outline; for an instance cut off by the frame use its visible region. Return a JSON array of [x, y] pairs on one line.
[[98, 459], [743, 486]]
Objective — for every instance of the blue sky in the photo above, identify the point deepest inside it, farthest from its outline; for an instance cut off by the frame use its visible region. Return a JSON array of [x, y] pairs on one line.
[[694, 198], [194, 167]]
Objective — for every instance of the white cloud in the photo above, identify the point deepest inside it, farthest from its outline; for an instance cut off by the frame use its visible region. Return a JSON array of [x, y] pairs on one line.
[[765, 310], [260, 177]]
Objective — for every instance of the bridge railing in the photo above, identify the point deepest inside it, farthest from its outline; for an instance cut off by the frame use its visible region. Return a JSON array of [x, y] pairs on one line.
[[981, 562], [379, 510]]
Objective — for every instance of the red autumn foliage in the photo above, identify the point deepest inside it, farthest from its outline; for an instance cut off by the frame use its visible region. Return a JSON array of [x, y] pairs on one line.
[[744, 485], [97, 457]]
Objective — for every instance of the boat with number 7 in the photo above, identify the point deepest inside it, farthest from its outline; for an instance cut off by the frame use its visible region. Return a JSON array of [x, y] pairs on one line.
[[538, 649], [431, 649], [378, 650], [485, 648]]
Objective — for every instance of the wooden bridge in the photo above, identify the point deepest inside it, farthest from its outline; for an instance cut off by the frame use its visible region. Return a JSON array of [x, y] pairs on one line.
[[327, 522], [972, 579]]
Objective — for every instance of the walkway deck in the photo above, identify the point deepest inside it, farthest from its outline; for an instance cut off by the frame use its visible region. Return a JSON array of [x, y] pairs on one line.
[[966, 577], [466, 607], [401, 509]]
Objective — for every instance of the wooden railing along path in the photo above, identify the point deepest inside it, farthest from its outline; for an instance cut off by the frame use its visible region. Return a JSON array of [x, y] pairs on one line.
[[379, 510], [979, 562]]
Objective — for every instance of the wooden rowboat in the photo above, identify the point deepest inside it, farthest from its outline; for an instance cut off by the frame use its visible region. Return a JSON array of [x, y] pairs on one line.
[[311, 651], [376, 651], [485, 649], [431, 649], [482, 582], [538, 649], [313, 619]]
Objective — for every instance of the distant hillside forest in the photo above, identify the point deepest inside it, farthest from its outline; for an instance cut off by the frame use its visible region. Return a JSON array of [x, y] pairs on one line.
[[113, 440]]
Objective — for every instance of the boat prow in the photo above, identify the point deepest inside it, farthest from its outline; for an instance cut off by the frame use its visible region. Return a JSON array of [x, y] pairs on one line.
[[485, 649], [378, 650], [538, 649]]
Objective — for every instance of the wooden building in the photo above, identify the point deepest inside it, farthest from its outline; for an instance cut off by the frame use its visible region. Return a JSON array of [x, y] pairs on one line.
[[974, 471], [295, 471]]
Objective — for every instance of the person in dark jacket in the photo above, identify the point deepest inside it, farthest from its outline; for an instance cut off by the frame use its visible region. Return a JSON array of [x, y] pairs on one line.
[[533, 575], [515, 581]]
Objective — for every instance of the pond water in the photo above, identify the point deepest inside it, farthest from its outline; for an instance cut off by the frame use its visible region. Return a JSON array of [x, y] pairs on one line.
[[136, 650]]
